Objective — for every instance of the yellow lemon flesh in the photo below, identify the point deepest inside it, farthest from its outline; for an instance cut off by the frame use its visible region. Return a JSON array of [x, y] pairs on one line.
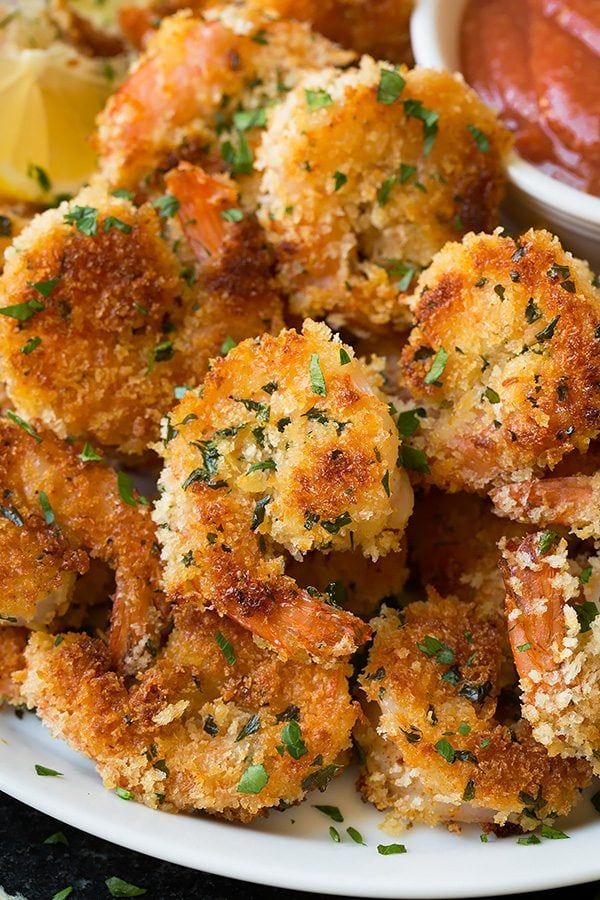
[[49, 100]]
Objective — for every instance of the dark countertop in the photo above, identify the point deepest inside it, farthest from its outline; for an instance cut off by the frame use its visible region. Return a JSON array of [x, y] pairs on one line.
[[38, 871]]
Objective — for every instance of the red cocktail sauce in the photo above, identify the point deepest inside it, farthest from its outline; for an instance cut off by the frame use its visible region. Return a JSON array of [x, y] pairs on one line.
[[538, 63]]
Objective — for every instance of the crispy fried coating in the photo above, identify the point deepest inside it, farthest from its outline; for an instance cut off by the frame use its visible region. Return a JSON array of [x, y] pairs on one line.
[[365, 175], [572, 501], [12, 660], [104, 319], [351, 580], [13, 218], [555, 635], [453, 546], [289, 442], [43, 477], [216, 724], [182, 93], [434, 674], [378, 27], [504, 358]]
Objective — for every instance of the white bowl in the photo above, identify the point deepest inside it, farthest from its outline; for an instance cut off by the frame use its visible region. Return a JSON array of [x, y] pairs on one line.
[[535, 199]]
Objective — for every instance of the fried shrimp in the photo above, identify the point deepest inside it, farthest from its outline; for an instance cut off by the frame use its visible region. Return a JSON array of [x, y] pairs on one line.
[[289, 442], [12, 660], [434, 676], [56, 509], [102, 319], [193, 79], [216, 724], [365, 175], [378, 27], [504, 359], [555, 635], [573, 501]]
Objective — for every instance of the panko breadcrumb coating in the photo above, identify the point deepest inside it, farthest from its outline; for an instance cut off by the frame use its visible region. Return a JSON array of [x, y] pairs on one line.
[[216, 724], [504, 359], [378, 27], [56, 508], [554, 631], [434, 673], [12, 660], [572, 501], [291, 442], [365, 175], [183, 93], [102, 319]]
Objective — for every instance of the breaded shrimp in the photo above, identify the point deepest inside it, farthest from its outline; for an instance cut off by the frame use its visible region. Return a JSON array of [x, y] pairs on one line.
[[195, 75], [378, 27], [351, 580], [573, 501], [504, 359], [216, 724], [288, 442], [433, 673], [365, 175], [103, 315], [453, 546], [56, 508], [555, 635], [12, 660]]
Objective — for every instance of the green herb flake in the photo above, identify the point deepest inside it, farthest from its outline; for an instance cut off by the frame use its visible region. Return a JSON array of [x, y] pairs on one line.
[[258, 516], [546, 541], [529, 840], [318, 99], [49, 517], [32, 344], [383, 194], [166, 206], [333, 812], [112, 222], [480, 138], [469, 791], [27, 428], [45, 288], [414, 460], [339, 180], [435, 649], [22, 311], [532, 311], [251, 727], [414, 109], [57, 838], [355, 835], [391, 84], [88, 454], [345, 357], [408, 421], [123, 194], [119, 888], [586, 613], [62, 895], [84, 218], [232, 215], [250, 118], [553, 834], [320, 779], [491, 395], [226, 648], [585, 574], [523, 648], [42, 770], [317, 381], [547, 333], [334, 834], [385, 481], [227, 345], [446, 750], [390, 849], [437, 367], [125, 486], [291, 737], [253, 780], [123, 793]]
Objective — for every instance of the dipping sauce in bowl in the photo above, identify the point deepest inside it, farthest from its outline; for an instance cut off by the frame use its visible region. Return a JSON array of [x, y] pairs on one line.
[[538, 63]]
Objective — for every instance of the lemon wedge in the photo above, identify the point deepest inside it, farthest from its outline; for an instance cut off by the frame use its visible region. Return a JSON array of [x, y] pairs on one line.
[[49, 99]]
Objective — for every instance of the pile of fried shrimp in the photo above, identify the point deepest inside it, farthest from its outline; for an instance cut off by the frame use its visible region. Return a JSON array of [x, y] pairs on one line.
[[300, 450]]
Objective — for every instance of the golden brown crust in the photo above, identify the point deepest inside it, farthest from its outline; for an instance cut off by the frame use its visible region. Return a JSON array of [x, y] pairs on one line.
[[572, 502], [12, 660], [173, 739], [521, 386]]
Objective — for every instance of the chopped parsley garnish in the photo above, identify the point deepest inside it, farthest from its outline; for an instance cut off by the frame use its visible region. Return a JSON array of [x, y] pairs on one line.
[[469, 791], [385, 481], [227, 345], [355, 835], [585, 574], [414, 109], [345, 357], [586, 613], [123, 194], [253, 780], [22, 311], [240, 158], [84, 218], [125, 485], [406, 172], [226, 648], [62, 895], [123, 793], [401, 272], [49, 517], [291, 737], [232, 215], [408, 421], [45, 288], [317, 99], [383, 194], [445, 749], [117, 224], [119, 888], [251, 727], [41, 176], [317, 381], [163, 352], [480, 138], [523, 648], [546, 541], [27, 428], [532, 311], [250, 118], [414, 460], [435, 649], [42, 770], [500, 291], [88, 454], [339, 180], [333, 527], [264, 466], [258, 516], [529, 840], [166, 206], [391, 84], [31, 345], [57, 838], [553, 834], [491, 395], [320, 779], [263, 413], [334, 834], [437, 367], [390, 849], [476, 693], [547, 333], [332, 811]]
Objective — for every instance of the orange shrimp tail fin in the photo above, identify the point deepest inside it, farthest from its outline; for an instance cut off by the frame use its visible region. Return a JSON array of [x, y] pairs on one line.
[[203, 200]]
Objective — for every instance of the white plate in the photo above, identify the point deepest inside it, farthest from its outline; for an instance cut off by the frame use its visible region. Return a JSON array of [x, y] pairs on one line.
[[293, 849]]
